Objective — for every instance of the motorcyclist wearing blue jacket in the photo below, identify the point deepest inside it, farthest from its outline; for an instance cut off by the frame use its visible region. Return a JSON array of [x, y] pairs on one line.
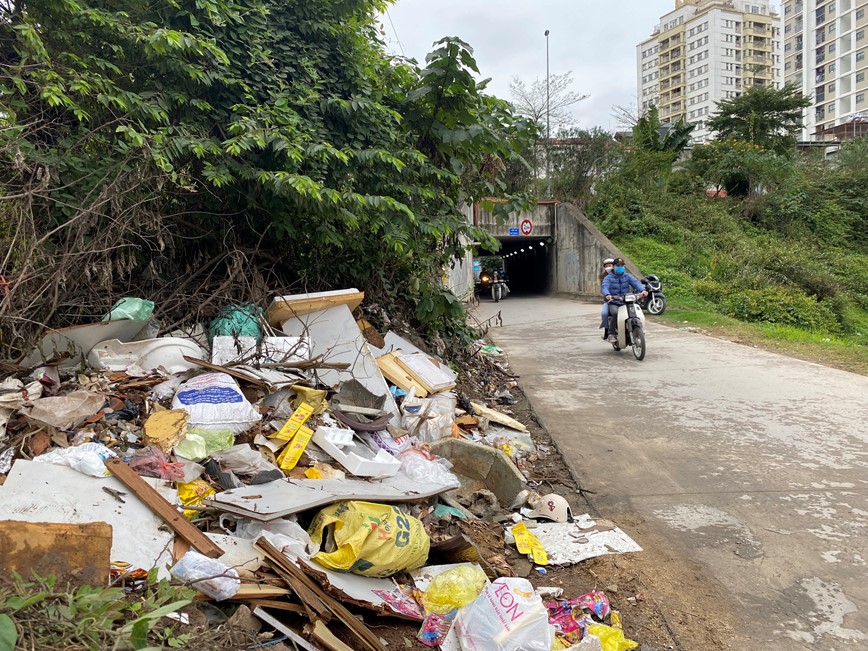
[[615, 286]]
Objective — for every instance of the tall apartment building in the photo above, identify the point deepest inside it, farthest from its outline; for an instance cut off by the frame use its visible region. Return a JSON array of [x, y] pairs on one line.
[[825, 49], [706, 51]]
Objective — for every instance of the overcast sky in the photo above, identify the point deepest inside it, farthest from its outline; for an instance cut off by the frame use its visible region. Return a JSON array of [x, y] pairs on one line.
[[595, 40]]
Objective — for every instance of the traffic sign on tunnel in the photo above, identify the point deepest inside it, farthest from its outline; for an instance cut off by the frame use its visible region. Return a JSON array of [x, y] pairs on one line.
[[526, 227]]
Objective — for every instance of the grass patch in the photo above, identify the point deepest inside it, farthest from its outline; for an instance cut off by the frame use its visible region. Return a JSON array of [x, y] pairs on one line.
[[849, 353]]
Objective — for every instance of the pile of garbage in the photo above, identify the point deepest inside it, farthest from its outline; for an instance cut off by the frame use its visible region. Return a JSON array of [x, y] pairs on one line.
[[298, 462]]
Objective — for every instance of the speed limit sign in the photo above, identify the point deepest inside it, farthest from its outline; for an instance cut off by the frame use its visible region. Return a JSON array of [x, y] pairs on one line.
[[526, 227]]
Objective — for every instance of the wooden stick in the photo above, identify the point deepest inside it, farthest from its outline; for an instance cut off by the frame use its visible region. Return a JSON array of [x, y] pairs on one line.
[[166, 512], [229, 371]]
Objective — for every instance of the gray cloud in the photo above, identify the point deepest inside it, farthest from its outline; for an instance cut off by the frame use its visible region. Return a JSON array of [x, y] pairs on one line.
[[595, 40]]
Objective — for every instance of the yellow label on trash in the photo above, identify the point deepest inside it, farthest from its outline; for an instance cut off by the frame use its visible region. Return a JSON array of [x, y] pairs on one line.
[[292, 452], [291, 426], [313, 473], [527, 543]]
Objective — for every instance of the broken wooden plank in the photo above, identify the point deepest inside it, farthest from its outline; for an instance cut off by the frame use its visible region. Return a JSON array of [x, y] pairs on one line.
[[398, 375], [79, 554], [497, 417], [255, 592], [324, 636], [161, 507], [274, 604], [300, 582]]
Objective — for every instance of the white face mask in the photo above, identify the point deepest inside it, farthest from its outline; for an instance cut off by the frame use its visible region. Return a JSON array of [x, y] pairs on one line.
[[607, 268]]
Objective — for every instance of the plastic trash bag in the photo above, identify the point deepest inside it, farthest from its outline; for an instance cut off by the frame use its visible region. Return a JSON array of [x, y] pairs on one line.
[[436, 413], [194, 494], [237, 321], [368, 539], [151, 461], [134, 309], [507, 616], [200, 443], [612, 639], [243, 460], [419, 467], [207, 575], [454, 588], [166, 389], [87, 458]]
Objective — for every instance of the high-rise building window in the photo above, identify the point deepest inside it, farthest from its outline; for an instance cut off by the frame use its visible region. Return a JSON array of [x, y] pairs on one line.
[[860, 14], [860, 56], [860, 77], [860, 34], [860, 98]]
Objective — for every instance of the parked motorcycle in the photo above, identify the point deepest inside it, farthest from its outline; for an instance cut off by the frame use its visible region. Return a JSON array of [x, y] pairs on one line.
[[631, 326], [655, 301]]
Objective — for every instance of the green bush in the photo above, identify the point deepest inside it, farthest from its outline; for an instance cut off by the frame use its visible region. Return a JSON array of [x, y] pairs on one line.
[[780, 306]]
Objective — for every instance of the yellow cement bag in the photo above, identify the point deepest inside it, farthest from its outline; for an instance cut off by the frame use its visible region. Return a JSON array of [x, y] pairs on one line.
[[368, 539]]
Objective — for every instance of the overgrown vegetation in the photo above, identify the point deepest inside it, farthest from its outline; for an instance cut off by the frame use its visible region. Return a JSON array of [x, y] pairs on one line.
[[784, 245], [39, 614], [203, 153]]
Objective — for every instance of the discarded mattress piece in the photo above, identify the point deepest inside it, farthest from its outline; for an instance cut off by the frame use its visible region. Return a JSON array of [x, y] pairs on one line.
[[45, 492], [573, 542], [147, 354], [284, 497]]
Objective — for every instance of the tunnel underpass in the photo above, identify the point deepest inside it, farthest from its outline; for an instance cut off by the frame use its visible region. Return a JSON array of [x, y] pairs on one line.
[[528, 264]]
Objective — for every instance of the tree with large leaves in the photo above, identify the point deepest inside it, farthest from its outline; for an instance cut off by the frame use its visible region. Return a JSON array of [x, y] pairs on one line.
[[652, 135], [765, 116]]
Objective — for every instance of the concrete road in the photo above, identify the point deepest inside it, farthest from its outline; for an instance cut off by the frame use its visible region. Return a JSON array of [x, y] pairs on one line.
[[752, 464]]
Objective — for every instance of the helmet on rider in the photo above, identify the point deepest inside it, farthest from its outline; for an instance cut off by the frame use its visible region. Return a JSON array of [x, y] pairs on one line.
[[608, 264], [619, 265]]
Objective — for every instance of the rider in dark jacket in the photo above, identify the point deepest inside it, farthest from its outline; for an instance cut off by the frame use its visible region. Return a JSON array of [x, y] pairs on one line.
[[615, 286]]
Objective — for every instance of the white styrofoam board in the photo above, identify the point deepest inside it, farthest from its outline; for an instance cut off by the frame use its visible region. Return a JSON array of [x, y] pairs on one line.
[[47, 492], [226, 349], [335, 336]]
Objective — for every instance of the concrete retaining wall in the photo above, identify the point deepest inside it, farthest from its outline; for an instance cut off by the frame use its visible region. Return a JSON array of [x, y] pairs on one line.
[[580, 251]]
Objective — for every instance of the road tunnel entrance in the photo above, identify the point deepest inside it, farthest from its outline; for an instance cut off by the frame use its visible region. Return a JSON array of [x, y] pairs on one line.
[[526, 261]]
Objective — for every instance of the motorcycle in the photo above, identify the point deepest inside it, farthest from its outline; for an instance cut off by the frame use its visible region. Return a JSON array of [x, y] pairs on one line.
[[499, 288], [631, 326], [655, 301]]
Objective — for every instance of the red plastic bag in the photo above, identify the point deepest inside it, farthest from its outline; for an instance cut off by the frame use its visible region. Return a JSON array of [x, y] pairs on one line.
[[151, 461]]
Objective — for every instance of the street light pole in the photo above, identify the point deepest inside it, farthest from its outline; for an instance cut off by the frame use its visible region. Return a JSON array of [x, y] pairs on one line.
[[548, 125]]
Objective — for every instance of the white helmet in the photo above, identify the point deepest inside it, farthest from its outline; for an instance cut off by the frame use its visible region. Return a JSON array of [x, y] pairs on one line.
[[551, 507], [609, 261]]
